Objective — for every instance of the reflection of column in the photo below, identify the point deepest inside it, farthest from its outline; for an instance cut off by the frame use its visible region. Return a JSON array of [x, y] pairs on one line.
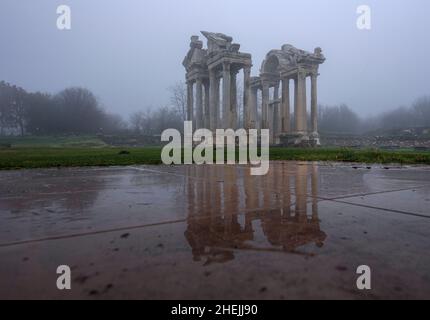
[[314, 181], [190, 101], [226, 95], [247, 105], [266, 184], [314, 112], [285, 105], [300, 105], [286, 190], [233, 101], [251, 192], [265, 106], [190, 192], [215, 193], [207, 107], [301, 191], [199, 104], [200, 185], [231, 204], [212, 98]]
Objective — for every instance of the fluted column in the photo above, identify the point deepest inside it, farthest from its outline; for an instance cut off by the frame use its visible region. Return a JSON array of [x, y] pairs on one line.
[[300, 104], [286, 106], [199, 104], [274, 116], [226, 95], [190, 101], [253, 113], [207, 120], [233, 100], [247, 98], [314, 103], [213, 99], [218, 103], [265, 106]]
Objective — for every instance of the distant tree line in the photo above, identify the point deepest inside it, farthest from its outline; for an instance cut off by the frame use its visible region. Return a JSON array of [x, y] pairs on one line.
[[71, 111], [76, 110], [341, 119]]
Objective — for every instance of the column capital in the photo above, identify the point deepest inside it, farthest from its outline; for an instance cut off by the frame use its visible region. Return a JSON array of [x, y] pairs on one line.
[[315, 75], [234, 73], [301, 75]]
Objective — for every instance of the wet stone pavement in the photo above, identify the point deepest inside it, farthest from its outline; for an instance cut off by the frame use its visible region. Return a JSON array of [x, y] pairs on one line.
[[215, 232]]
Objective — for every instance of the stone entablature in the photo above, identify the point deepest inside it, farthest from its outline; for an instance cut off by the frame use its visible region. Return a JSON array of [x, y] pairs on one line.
[[223, 60]]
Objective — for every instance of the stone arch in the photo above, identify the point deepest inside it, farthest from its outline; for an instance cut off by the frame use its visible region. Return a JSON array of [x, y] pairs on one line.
[[271, 64]]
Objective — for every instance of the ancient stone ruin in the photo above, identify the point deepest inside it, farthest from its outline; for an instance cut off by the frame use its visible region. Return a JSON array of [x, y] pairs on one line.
[[263, 108]]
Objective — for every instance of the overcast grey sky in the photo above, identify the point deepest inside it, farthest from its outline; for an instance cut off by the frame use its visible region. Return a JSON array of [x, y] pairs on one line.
[[129, 51]]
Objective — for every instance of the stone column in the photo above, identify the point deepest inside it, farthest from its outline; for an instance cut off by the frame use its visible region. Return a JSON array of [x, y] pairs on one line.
[[295, 103], [300, 104], [265, 106], [226, 95], [276, 92], [285, 114], [217, 103], [199, 104], [275, 114], [207, 120], [233, 101], [190, 101], [212, 99], [253, 113], [314, 104], [247, 97]]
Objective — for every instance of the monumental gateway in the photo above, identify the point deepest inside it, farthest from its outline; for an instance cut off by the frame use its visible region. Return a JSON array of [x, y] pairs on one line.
[[212, 91]]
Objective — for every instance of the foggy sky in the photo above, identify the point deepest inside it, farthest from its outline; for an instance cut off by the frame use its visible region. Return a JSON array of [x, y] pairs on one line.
[[128, 52]]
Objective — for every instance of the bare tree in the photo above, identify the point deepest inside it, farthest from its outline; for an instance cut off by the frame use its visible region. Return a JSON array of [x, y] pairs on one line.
[[19, 108], [5, 106], [421, 109], [178, 98], [80, 109], [144, 122], [338, 119]]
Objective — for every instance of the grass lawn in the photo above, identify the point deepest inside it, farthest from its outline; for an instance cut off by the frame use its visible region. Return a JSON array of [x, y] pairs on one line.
[[17, 158], [66, 156]]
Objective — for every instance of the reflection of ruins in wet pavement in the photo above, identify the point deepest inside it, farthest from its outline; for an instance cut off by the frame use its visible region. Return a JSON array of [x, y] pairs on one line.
[[213, 231], [203, 232]]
